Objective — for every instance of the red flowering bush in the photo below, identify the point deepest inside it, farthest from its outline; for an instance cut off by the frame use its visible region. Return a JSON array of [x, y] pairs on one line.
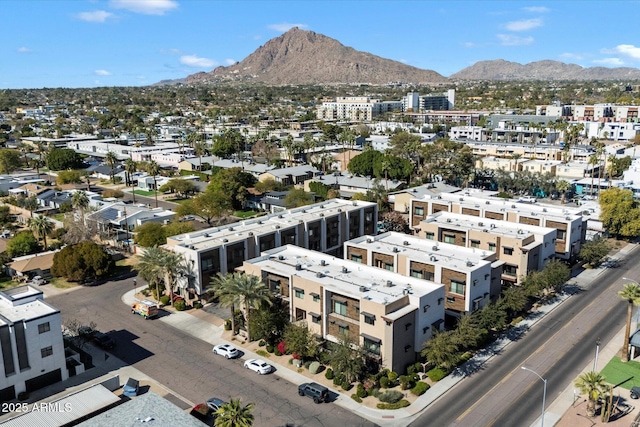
[[282, 347], [295, 356]]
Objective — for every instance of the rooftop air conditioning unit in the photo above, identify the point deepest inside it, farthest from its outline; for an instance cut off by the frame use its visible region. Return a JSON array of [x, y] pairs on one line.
[[396, 249], [260, 222], [469, 264], [480, 224], [304, 211], [405, 291], [389, 284], [321, 206], [339, 210], [406, 243], [434, 248], [493, 226], [513, 206], [413, 190], [355, 203], [230, 228], [448, 219], [298, 267], [300, 221], [363, 288], [280, 216], [225, 240], [319, 274], [323, 262], [250, 233], [281, 257], [544, 209], [345, 270], [369, 240], [432, 258], [320, 214], [487, 202], [520, 232], [277, 227]]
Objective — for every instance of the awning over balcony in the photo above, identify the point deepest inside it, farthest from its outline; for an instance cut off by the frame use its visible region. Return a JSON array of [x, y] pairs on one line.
[[371, 338]]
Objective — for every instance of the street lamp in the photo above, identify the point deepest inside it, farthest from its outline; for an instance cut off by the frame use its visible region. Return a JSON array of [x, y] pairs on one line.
[[595, 362], [544, 391]]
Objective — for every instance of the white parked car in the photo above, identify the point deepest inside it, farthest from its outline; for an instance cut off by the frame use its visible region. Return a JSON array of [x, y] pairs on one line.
[[258, 365], [226, 350]]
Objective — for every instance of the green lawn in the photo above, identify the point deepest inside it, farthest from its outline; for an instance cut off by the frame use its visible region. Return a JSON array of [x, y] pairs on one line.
[[60, 283], [144, 193], [6, 282], [620, 374], [245, 214], [58, 217]]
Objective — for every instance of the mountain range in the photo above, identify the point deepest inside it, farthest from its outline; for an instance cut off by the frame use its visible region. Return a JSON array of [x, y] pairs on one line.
[[300, 57]]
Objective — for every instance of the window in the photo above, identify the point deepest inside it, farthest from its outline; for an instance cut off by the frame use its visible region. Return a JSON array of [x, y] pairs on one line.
[[407, 326], [369, 319], [426, 308], [388, 266], [457, 287], [418, 210], [356, 258], [492, 247], [449, 238], [416, 273], [372, 346], [429, 276], [343, 329], [315, 318], [340, 307], [508, 251], [429, 236], [316, 297], [46, 352], [407, 348], [561, 234], [425, 330], [368, 217], [299, 293], [44, 327], [475, 243], [510, 270]]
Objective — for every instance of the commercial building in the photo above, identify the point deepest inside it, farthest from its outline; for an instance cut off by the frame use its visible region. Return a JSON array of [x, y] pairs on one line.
[[432, 102], [522, 248], [322, 227], [471, 277], [30, 343], [391, 316], [569, 222], [356, 108]]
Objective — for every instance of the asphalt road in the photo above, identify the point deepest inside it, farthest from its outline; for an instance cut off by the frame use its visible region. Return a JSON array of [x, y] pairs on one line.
[[187, 365], [558, 348]]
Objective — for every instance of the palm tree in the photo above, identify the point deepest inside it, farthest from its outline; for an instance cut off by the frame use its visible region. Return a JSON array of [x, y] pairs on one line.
[[233, 414], [153, 169], [441, 349], [612, 167], [149, 267], [241, 289], [593, 385], [41, 225], [111, 159], [385, 164], [593, 161], [172, 266], [79, 200], [600, 152], [563, 186], [631, 294], [200, 148], [131, 166]]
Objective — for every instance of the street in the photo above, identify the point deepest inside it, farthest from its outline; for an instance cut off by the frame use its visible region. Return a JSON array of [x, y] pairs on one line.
[[187, 365], [557, 348]]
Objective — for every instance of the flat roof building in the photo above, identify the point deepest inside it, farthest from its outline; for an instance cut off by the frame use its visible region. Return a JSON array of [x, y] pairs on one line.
[[390, 315], [322, 227]]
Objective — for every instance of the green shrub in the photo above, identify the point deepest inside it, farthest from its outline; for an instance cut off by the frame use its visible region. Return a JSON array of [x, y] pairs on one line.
[[338, 379], [418, 367], [346, 385], [314, 367], [382, 374], [179, 305], [436, 374], [360, 391], [355, 397], [197, 304], [411, 369], [375, 392], [307, 364], [262, 343], [164, 300], [391, 396], [420, 388], [290, 360], [402, 404], [393, 377], [329, 374], [262, 353], [269, 348], [277, 352], [384, 382], [406, 381]]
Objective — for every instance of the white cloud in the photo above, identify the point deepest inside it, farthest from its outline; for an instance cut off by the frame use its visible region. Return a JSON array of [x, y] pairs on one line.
[[101, 73], [95, 16], [146, 7], [196, 61], [524, 25], [572, 56], [511, 40], [23, 49], [230, 61], [536, 9], [617, 62], [628, 50], [284, 27]]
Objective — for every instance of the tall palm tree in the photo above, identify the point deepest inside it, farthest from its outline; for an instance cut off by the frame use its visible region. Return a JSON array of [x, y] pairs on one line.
[[149, 267], [200, 148], [131, 166], [612, 167], [593, 161], [563, 186], [600, 153], [172, 266], [593, 385], [385, 165], [153, 169], [631, 294], [245, 289], [233, 414], [80, 201], [41, 225], [111, 159]]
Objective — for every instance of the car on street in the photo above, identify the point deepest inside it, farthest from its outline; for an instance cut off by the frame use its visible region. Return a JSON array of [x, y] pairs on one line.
[[226, 350], [214, 403], [103, 340], [38, 281], [258, 365], [317, 392]]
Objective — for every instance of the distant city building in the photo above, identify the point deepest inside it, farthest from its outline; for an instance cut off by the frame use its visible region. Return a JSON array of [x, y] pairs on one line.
[[432, 102], [356, 108]]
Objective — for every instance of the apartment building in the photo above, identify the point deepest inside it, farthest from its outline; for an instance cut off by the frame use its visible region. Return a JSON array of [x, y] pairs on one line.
[[569, 222], [356, 108], [435, 101], [525, 151], [522, 248], [471, 277], [388, 314], [30, 342], [322, 227]]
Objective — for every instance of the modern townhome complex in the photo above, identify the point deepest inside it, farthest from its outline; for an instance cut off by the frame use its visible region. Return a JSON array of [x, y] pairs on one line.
[[471, 277], [30, 343], [569, 222], [522, 248], [322, 227], [390, 315]]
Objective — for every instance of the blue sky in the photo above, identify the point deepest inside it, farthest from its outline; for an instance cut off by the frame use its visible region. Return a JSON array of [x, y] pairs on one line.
[[89, 43]]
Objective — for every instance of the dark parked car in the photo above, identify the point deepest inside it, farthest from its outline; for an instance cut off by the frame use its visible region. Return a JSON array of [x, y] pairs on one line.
[[103, 340], [318, 392], [214, 403], [635, 392]]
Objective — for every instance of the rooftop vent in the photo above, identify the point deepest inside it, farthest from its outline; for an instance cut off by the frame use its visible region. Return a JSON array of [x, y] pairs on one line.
[[355, 203], [434, 248], [389, 284], [513, 206], [469, 264], [225, 240], [345, 270], [480, 224], [363, 288], [461, 199], [281, 257], [304, 211], [298, 267], [321, 206], [280, 216], [369, 240], [251, 233], [277, 227], [405, 291], [487, 202], [448, 219], [520, 232], [493, 226], [323, 262], [395, 249], [432, 258], [544, 209], [230, 228], [413, 190], [260, 222], [406, 243], [320, 214], [339, 210], [319, 274]]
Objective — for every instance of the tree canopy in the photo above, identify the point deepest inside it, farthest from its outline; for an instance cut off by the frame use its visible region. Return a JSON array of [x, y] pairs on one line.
[[229, 182], [81, 262], [10, 160], [23, 243], [63, 158], [152, 234], [619, 212]]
